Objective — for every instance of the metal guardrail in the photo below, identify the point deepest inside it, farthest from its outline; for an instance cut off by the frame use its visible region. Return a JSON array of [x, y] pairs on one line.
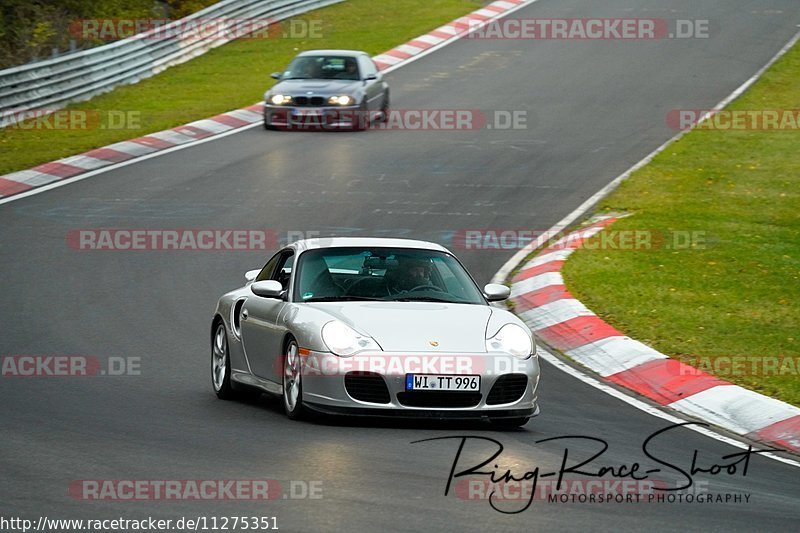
[[53, 83]]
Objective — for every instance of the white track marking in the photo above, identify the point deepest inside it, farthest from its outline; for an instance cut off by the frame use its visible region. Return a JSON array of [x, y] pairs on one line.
[[84, 161], [751, 408], [614, 354], [554, 313], [131, 148], [558, 255], [535, 283], [33, 178]]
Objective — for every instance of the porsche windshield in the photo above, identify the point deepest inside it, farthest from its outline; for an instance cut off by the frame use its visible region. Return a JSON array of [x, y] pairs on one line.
[[387, 274]]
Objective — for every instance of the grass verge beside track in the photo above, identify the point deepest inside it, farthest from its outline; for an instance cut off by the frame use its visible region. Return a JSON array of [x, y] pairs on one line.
[[736, 290], [229, 77]]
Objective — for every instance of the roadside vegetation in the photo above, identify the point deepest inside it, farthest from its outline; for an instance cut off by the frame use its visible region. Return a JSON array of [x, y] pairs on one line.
[[730, 300], [229, 77], [31, 29]]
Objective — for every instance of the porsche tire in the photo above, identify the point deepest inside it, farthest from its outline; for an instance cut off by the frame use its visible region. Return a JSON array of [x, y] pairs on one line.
[[292, 382], [221, 363]]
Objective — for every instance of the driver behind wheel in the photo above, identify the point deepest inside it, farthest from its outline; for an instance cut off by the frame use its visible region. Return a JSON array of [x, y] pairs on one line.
[[409, 274]]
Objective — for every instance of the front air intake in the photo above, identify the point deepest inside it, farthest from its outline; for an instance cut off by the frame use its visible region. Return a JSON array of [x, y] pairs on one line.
[[366, 387]]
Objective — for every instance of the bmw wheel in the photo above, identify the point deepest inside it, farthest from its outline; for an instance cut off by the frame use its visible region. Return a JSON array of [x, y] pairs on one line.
[[385, 108]]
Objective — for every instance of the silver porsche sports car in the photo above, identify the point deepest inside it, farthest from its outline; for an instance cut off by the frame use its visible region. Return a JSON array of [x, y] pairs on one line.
[[327, 89], [367, 326]]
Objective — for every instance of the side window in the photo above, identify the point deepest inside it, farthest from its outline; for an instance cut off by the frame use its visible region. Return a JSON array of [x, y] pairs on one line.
[[283, 272], [268, 268], [368, 66]]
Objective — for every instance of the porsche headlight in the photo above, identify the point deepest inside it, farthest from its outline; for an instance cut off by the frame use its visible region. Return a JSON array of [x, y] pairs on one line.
[[344, 340], [511, 339], [280, 99], [342, 99]]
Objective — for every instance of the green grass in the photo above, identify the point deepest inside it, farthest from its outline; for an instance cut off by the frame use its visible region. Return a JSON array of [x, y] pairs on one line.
[[230, 77], [739, 293]]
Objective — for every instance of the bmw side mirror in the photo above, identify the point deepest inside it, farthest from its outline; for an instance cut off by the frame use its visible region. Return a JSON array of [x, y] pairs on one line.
[[268, 289], [371, 77], [276, 75], [496, 293]]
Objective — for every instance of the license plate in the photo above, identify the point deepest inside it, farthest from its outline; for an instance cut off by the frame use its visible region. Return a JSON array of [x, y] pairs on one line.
[[306, 113], [442, 382], [308, 118]]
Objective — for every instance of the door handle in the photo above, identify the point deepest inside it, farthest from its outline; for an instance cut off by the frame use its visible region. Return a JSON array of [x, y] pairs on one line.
[[244, 314]]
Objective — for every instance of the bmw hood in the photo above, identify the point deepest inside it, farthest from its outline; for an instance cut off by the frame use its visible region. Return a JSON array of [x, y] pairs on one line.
[[317, 87], [414, 326]]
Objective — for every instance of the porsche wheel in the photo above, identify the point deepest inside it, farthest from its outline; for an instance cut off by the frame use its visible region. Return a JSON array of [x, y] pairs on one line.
[[221, 364], [293, 382]]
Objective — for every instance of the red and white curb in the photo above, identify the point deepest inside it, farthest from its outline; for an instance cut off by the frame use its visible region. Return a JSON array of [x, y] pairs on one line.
[[541, 299], [70, 167]]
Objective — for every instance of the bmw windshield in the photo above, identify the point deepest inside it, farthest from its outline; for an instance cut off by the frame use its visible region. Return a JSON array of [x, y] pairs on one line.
[[322, 68]]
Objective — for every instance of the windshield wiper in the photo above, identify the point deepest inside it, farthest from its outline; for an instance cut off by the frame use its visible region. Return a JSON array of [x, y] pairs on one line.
[[425, 299], [344, 299]]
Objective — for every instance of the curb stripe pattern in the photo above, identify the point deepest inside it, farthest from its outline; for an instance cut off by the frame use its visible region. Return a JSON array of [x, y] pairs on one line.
[[25, 180], [541, 299]]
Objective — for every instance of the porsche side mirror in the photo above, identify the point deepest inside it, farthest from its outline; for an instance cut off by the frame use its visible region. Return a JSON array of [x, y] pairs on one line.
[[276, 75], [371, 77], [267, 289], [496, 293]]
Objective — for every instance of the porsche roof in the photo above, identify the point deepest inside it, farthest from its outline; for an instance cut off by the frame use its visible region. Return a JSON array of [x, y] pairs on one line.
[[363, 242]]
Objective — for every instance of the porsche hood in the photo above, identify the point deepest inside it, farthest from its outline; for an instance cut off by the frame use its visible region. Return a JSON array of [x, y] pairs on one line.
[[417, 326]]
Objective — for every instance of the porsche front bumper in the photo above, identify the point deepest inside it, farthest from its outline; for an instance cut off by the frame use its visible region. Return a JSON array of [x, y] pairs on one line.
[[508, 385]]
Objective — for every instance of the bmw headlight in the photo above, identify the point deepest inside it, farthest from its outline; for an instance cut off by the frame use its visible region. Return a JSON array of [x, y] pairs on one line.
[[344, 340], [511, 339], [280, 99], [342, 99]]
